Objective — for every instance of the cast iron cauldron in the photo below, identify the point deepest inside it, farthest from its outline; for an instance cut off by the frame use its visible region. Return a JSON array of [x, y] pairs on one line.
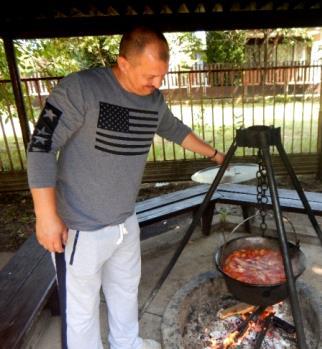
[[258, 294]]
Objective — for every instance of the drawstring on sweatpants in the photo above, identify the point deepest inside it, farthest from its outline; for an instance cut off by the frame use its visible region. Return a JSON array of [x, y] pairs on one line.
[[123, 231]]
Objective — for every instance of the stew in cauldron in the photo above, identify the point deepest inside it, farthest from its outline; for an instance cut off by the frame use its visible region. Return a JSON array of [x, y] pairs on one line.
[[262, 266]]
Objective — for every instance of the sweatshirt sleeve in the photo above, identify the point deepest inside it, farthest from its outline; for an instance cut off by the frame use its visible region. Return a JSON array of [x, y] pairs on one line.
[[172, 128], [62, 115]]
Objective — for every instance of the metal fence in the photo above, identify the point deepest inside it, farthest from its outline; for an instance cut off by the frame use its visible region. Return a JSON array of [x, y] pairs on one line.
[[213, 100]]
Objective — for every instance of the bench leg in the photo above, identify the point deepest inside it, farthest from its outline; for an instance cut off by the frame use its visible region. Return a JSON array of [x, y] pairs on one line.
[[206, 219], [53, 302], [245, 210]]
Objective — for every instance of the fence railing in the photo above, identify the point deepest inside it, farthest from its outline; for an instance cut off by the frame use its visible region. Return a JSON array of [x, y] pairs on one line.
[[214, 102], [222, 75]]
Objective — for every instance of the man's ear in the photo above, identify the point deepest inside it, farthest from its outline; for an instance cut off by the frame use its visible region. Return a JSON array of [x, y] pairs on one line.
[[123, 64]]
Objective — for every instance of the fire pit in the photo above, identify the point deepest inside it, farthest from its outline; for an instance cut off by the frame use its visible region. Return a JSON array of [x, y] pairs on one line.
[[193, 319]]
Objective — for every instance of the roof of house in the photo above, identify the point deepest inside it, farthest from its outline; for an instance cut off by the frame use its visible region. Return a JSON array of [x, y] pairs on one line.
[[62, 18]]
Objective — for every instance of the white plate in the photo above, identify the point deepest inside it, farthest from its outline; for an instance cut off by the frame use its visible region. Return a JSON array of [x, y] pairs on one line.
[[235, 173]]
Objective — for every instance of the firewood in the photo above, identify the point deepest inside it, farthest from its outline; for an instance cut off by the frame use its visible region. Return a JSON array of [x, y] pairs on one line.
[[239, 308]]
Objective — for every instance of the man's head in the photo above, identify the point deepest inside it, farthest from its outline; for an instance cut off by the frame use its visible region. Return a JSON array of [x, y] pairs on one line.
[[143, 60]]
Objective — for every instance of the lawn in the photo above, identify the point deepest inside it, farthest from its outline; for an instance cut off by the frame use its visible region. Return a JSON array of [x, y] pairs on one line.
[[216, 123]]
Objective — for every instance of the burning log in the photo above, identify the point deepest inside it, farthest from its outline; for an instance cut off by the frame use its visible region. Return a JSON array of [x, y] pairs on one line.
[[261, 335], [242, 328], [244, 308], [284, 325], [240, 308]]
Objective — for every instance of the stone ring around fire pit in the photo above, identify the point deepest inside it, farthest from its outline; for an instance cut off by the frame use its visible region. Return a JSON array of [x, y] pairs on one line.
[[190, 319]]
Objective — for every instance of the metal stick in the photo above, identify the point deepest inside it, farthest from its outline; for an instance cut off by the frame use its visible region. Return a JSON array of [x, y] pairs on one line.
[[296, 311], [191, 228]]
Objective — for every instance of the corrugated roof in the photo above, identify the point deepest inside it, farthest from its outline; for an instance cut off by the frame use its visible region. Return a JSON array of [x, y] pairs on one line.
[[68, 18]]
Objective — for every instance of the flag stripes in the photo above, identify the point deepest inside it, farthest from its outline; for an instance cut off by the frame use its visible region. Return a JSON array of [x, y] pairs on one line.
[[125, 131]]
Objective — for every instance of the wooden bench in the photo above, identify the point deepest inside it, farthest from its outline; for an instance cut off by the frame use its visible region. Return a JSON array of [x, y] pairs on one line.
[[170, 205], [27, 282], [246, 196]]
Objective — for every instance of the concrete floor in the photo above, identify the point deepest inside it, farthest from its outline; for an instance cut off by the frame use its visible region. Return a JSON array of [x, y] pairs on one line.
[[195, 259]]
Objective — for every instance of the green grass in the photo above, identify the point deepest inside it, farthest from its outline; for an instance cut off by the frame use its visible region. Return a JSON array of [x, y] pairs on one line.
[[295, 140], [15, 158], [217, 124]]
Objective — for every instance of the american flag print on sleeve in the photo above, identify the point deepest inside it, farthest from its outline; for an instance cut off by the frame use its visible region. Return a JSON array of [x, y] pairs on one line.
[[125, 131], [41, 140]]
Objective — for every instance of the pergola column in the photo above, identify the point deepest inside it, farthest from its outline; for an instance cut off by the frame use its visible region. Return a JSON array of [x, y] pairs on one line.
[[17, 90]]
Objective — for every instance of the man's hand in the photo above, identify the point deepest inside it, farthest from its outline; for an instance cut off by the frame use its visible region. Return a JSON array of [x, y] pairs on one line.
[[218, 158], [51, 233]]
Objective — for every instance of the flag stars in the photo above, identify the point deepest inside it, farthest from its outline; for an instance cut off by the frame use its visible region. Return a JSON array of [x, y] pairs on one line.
[[39, 139], [114, 118], [48, 113], [43, 132]]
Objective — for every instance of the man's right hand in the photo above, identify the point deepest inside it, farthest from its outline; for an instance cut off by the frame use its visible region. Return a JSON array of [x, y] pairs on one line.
[[51, 233]]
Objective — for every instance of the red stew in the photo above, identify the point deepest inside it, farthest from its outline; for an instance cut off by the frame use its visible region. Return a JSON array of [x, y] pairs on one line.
[[260, 266]]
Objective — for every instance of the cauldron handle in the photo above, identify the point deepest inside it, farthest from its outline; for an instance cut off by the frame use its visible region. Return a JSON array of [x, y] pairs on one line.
[[297, 240]]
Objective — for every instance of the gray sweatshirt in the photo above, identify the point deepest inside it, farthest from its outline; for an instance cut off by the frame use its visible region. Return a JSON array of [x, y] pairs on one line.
[[91, 142]]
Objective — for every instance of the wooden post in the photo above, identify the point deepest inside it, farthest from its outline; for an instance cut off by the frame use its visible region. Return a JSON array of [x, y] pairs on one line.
[[17, 90], [319, 140]]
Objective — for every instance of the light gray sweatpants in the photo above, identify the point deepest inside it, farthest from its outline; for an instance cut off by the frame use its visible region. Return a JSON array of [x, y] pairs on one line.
[[109, 258]]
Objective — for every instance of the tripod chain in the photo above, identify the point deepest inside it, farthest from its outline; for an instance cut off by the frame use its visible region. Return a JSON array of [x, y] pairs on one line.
[[262, 187]]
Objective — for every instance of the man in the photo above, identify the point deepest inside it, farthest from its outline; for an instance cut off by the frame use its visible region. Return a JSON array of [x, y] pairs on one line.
[[101, 123]]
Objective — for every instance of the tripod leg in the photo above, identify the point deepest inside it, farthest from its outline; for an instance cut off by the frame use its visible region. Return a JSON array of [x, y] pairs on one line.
[[300, 191], [191, 228], [206, 219], [296, 311]]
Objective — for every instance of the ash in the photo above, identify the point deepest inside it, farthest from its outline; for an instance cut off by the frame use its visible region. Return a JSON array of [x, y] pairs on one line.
[[204, 329]]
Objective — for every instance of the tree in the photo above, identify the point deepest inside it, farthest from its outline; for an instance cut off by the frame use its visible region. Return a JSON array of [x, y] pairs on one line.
[[52, 57], [274, 45], [6, 95], [4, 72], [46, 57], [98, 51], [55, 57], [258, 47], [185, 48], [226, 46]]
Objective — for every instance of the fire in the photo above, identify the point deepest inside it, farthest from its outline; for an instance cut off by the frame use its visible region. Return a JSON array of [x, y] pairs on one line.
[[230, 340], [235, 338]]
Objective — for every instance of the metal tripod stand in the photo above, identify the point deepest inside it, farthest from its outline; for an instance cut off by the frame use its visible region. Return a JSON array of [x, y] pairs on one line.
[[261, 137]]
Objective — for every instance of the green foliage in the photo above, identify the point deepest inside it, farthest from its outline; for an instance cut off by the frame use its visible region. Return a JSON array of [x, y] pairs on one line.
[[46, 57], [292, 36], [59, 57], [98, 51], [6, 95], [185, 48], [4, 72], [226, 46], [229, 46], [276, 45], [55, 57], [6, 99], [223, 215]]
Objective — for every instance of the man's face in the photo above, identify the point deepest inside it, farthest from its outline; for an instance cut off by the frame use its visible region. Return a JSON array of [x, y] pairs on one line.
[[144, 73]]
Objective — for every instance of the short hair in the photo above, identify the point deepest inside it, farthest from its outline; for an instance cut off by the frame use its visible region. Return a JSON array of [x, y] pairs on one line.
[[134, 42]]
